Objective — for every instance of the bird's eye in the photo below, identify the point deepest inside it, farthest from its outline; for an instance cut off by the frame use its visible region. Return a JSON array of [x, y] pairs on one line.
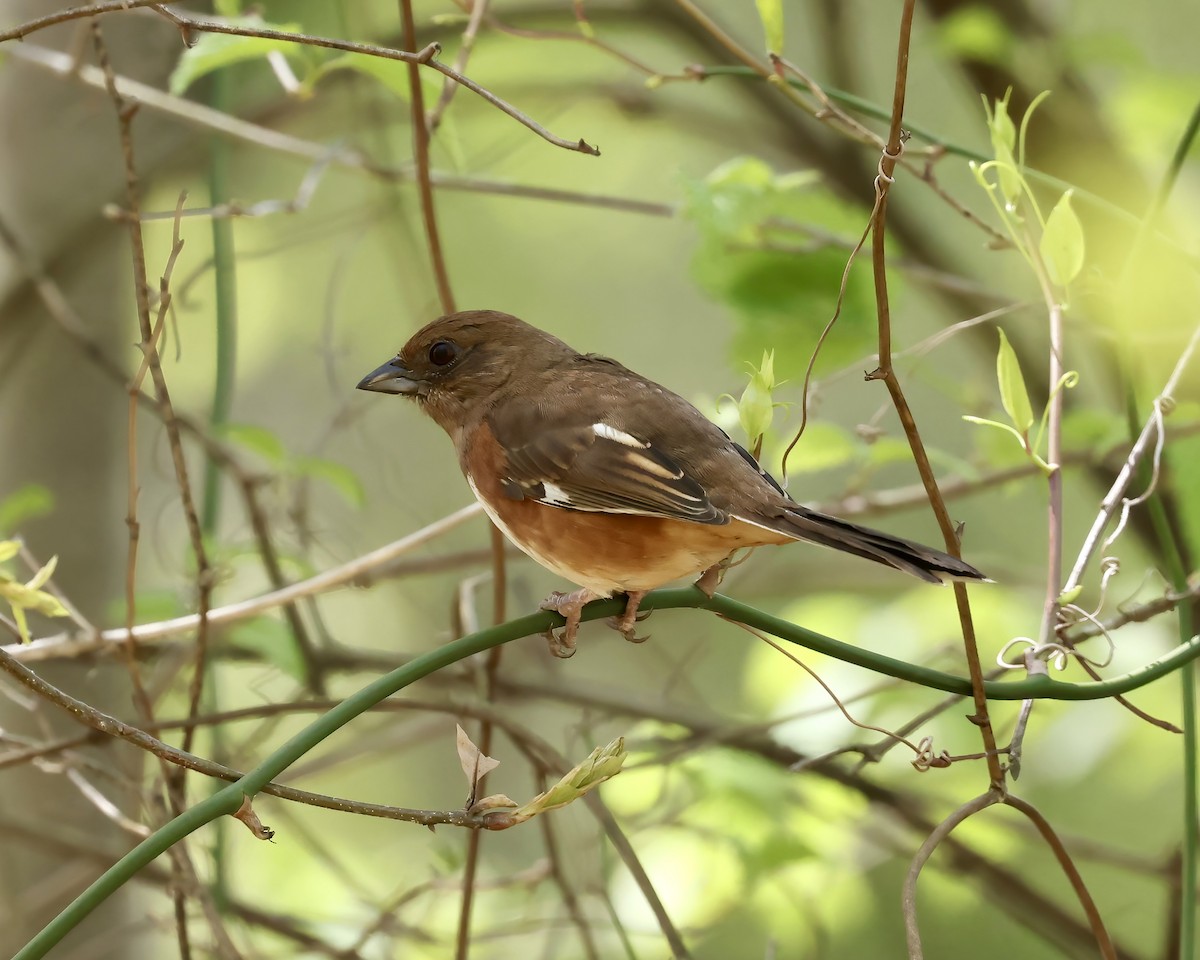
[[442, 353]]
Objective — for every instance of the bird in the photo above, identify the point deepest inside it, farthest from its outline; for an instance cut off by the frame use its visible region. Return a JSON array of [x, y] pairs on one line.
[[604, 477]]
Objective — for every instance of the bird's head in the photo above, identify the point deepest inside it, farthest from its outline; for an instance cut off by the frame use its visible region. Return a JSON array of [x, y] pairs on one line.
[[461, 360]]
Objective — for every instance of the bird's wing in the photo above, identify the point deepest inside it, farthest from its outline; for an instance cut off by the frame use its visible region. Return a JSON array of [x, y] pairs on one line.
[[600, 468]]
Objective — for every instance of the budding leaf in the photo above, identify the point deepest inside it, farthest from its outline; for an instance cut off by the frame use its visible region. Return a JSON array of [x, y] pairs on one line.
[[1004, 141], [756, 408], [601, 764], [1069, 596], [28, 596]]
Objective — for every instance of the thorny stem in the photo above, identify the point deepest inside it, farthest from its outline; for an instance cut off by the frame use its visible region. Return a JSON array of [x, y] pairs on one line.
[[886, 373]]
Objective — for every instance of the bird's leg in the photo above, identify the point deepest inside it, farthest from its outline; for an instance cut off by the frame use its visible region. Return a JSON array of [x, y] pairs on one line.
[[570, 606], [626, 623], [711, 578]]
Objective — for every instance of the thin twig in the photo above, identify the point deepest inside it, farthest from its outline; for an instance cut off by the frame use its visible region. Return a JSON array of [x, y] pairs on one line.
[[113, 727], [74, 13], [616, 837], [425, 57], [570, 36], [1146, 439], [150, 332], [204, 584], [124, 117], [936, 836], [1107, 950], [420, 138], [75, 327], [360, 570], [1139, 614], [899, 498], [449, 88], [202, 116], [841, 707]]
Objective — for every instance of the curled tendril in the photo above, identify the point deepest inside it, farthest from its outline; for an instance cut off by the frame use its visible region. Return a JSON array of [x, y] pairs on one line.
[[1049, 653], [1128, 503], [926, 759]]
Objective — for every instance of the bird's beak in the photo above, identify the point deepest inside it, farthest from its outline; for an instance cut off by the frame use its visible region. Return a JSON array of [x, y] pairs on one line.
[[393, 377]]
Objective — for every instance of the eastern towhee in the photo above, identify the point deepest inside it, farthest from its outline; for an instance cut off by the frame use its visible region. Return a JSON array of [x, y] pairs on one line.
[[604, 477]]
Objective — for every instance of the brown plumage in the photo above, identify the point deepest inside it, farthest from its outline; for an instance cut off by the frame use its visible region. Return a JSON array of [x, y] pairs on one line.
[[607, 478]]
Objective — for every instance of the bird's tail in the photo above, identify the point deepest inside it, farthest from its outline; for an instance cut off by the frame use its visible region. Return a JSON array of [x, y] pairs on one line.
[[913, 558]]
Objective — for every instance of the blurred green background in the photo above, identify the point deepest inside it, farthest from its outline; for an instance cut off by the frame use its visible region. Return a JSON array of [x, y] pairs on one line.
[[749, 207]]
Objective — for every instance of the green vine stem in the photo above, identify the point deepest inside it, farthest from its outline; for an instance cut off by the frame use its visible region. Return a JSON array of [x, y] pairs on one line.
[[229, 800]]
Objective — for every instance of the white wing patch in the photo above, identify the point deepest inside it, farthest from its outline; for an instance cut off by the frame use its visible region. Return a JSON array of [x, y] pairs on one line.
[[555, 495], [606, 432]]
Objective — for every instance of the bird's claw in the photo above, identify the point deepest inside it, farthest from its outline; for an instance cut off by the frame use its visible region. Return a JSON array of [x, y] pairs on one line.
[[626, 623], [569, 606], [629, 629], [561, 643]]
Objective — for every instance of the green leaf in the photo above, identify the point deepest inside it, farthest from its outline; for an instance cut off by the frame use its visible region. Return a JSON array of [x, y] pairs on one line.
[[28, 503], [255, 439], [770, 12], [341, 478], [213, 51], [758, 255], [1062, 245], [1013, 394], [273, 641], [732, 201]]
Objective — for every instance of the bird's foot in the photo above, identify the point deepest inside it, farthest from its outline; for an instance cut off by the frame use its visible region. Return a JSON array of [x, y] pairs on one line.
[[570, 606], [711, 578], [626, 623]]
